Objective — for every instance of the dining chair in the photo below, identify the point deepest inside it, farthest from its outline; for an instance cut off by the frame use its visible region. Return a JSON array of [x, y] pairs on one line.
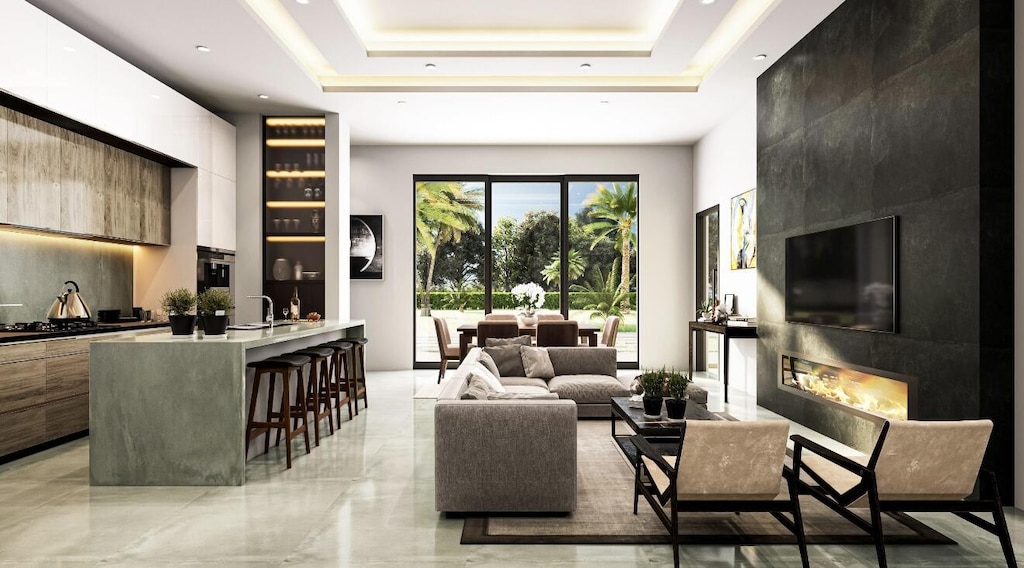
[[500, 317], [558, 333], [915, 466], [448, 350], [550, 317], [611, 331], [720, 466], [495, 329]]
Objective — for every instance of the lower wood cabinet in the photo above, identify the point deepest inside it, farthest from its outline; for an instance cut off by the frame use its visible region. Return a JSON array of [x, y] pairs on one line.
[[44, 392]]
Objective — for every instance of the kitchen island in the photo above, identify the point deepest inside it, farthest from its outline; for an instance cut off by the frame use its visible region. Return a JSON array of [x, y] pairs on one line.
[[167, 410]]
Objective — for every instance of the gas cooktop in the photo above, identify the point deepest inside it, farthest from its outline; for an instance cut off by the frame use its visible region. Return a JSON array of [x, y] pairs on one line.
[[42, 327]]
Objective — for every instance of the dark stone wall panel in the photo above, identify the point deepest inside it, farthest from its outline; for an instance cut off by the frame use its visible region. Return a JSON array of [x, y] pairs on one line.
[[782, 184], [780, 99], [837, 158], [925, 125], [842, 60], [908, 31]]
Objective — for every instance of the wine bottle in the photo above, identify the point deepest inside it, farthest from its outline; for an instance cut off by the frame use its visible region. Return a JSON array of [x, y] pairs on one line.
[[293, 311]]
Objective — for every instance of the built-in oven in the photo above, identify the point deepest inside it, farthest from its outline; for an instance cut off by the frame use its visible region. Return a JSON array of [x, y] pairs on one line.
[[215, 269]]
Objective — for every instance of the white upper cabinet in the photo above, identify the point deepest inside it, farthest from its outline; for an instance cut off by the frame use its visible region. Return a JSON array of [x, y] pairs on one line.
[[222, 215], [23, 43], [223, 148]]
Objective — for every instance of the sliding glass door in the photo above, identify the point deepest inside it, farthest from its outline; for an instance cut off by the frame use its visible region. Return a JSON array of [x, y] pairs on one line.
[[477, 238]]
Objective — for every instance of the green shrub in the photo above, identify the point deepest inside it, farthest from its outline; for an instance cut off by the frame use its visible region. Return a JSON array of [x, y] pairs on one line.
[[448, 300]]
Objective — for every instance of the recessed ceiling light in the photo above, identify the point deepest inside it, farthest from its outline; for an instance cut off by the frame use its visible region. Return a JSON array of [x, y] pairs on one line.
[[202, 48], [584, 66], [302, 1], [760, 57], [69, 49], [401, 102], [706, 2], [604, 102], [262, 96], [430, 66], [155, 96]]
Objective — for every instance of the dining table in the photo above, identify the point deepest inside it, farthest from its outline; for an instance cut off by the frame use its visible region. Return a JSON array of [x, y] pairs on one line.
[[467, 332]]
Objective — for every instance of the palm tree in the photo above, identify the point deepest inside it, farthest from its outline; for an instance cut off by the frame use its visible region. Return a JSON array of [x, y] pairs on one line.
[[553, 271], [604, 296], [616, 213], [444, 211]]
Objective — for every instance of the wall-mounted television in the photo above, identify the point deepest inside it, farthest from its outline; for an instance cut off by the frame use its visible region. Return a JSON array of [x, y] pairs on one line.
[[844, 277]]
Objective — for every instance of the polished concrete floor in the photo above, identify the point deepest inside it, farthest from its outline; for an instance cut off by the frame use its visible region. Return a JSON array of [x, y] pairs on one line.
[[363, 498]]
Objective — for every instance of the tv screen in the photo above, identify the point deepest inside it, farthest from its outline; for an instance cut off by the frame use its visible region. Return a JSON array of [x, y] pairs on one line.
[[844, 277]]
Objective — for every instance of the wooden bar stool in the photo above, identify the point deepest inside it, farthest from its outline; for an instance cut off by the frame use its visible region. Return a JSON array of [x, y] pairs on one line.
[[318, 393], [358, 378], [340, 372], [280, 419]]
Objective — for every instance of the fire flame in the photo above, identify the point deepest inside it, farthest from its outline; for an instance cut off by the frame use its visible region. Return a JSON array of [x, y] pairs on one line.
[[878, 395]]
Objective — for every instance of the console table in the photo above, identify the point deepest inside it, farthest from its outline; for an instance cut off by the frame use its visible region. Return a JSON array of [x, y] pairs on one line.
[[735, 331]]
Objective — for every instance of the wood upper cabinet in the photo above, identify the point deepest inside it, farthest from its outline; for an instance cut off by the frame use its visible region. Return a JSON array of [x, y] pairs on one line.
[[82, 199], [33, 156], [51, 178], [4, 178]]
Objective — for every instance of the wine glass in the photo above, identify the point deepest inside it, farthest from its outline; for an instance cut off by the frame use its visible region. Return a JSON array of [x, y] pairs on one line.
[[284, 313]]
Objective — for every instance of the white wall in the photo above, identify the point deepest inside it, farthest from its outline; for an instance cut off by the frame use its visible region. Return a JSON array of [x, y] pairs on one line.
[[1018, 258], [725, 165], [382, 183]]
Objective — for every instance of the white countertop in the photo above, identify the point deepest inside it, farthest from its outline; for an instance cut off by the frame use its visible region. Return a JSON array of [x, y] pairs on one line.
[[247, 338]]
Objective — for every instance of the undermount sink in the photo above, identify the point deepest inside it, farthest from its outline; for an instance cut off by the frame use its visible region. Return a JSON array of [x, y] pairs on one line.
[[256, 325]]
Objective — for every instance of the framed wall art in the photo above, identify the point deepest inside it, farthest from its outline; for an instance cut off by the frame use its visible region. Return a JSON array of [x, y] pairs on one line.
[[744, 230], [366, 255]]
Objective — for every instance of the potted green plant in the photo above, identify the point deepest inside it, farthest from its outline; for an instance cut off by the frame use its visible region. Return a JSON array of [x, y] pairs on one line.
[[213, 306], [179, 304], [653, 382], [675, 406]]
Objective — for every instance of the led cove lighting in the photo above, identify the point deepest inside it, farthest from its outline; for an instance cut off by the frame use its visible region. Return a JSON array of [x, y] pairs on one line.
[[202, 49], [281, 24], [734, 28]]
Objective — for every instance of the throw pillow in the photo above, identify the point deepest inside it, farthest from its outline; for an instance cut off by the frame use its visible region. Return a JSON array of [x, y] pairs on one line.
[[478, 370], [486, 360], [537, 363], [477, 389], [507, 359], [499, 341]]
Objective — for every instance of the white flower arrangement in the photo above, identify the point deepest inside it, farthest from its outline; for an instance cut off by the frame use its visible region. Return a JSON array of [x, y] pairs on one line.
[[529, 296]]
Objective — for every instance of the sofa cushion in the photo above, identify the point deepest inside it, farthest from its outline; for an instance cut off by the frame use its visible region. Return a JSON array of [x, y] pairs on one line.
[[510, 382], [528, 389], [522, 396], [478, 370], [477, 389], [587, 389], [536, 362], [499, 341], [507, 359], [486, 360], [583, 360]]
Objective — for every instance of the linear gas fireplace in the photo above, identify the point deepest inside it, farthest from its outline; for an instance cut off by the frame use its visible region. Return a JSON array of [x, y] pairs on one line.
[[866, 392]]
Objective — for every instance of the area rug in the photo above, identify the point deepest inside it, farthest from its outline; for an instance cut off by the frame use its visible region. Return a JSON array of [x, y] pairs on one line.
[[604, 514]]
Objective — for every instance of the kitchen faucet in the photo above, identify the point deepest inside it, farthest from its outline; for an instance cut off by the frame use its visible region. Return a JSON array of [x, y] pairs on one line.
[[270, 314]]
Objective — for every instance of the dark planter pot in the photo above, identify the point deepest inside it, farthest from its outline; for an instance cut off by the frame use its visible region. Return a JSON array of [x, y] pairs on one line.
[[215, 325], [652, 406], [676, 409], [182, 325]]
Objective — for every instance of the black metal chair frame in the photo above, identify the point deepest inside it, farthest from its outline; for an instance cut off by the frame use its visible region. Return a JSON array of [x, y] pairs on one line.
[[868, 486], [644, 484]]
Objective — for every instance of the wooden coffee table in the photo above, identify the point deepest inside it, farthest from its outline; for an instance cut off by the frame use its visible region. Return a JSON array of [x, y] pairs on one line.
[[661, 433]]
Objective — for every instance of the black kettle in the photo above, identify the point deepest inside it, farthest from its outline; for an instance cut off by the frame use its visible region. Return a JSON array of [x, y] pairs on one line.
[[69, 305]]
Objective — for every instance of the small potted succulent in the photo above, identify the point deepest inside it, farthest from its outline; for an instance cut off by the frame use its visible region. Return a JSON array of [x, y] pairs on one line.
[[653, 382], [675, 406], [213, 306], [179, 304]]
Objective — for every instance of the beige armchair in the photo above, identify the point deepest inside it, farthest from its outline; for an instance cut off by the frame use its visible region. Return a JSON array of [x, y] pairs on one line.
[[916, 466], [721, 466], [449, 351]]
